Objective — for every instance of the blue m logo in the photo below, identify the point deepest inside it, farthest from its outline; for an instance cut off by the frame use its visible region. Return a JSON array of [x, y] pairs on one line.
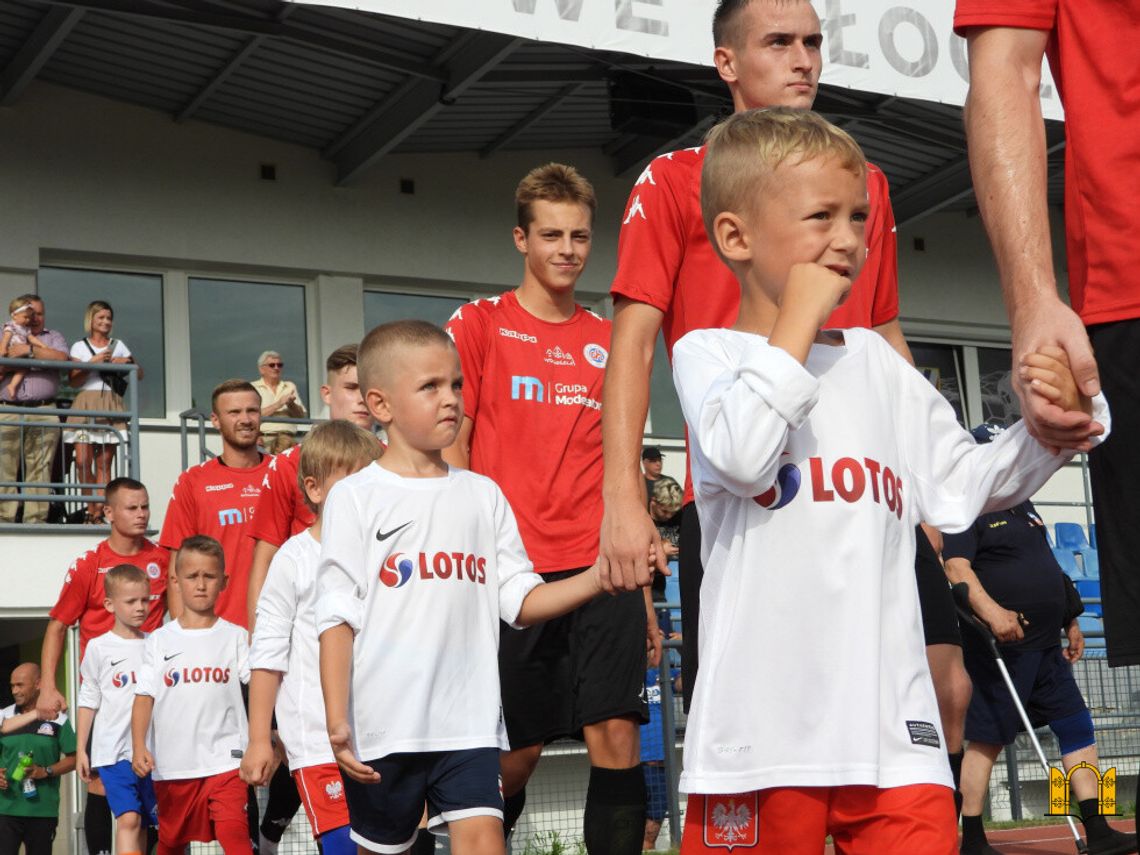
[[526, 388]]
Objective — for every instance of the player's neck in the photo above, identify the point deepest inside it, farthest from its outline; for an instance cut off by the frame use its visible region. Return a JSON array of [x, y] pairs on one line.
[[544, 303], [758, 311], [129, 632], [240, 458], [125, 544], [190, 619], [407, 462], [315, 528]]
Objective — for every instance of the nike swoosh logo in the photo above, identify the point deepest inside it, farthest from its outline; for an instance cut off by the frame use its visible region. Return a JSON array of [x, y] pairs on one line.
[[384, 535], [121, 661], [171, 656]]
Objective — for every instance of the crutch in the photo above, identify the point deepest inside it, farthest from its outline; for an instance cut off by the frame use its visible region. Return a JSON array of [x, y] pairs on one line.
[[962, 604]]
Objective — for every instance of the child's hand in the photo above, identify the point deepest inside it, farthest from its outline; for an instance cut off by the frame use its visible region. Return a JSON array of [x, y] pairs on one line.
[[1047, 374], [340, 738], [257, 763], [83, 766], [813, 291], [142, 762]]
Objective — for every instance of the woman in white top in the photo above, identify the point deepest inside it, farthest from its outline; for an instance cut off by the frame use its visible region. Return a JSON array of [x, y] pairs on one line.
[[95, 447]]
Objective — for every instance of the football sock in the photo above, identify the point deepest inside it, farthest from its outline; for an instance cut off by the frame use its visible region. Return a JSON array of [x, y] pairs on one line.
[[1095, 825], [282, 804], [338, 842], [252, 814], [425, 843], [615, 811], [512, 810], [956, 771], [97, 825], [233, 835]]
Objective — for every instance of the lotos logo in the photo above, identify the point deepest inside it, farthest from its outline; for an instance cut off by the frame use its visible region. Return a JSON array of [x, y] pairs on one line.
[[120, 679], [196, 675], [783, 491], [334, 790], [396, 570], [596, 355], [172, 677]]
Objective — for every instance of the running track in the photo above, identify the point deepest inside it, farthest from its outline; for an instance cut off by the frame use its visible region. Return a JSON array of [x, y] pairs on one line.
[[1038, 840]]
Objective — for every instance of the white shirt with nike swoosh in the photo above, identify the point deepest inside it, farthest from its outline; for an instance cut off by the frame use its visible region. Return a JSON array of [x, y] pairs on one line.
[[195, 677], [423, 570], [109, 671]]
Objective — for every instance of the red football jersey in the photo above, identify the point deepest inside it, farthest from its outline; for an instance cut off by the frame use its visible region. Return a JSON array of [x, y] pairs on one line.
[[1102, 131], [82, 595], [281, 510], [219, 501], [665, 258], [534, 392]]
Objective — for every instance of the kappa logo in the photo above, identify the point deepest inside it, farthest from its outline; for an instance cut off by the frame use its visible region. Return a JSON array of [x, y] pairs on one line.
[[636, 209], [596, 355], [334, 790], [520, 336], [153, 570], [730, 821], [103, 570], [397, 570], [217, 488]]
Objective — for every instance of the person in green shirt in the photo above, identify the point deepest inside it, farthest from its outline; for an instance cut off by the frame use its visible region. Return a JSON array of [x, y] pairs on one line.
[[31, 818]]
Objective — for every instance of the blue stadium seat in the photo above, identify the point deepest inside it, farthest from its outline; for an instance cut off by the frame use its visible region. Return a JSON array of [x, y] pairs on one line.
[[1089, 589], [1092, 535], [1090, 561], [1094, 647], [1068, 562], [1071, 536], [673, 592]]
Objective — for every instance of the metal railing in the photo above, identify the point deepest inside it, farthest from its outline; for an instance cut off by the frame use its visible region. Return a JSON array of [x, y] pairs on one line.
[[197, 422], [26, 419]]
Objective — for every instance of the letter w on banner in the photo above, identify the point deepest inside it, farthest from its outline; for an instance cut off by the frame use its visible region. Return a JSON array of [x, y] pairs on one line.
[[905, 48]]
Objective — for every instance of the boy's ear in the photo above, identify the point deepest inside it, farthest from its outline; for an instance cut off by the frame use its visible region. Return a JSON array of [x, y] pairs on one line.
[[520, 239], [108, 605], [313, 490], [326, 393], [379, 405], [731, 239]]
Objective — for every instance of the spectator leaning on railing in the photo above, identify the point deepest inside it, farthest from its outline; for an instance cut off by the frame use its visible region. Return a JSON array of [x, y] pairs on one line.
[[33, 447], [278, 398]]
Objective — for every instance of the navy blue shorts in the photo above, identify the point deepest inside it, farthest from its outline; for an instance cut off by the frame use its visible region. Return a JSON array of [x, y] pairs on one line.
[[1044, 682], [455, 784], [127, 792]]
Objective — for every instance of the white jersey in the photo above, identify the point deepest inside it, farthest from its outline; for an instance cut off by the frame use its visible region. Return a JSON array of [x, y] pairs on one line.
[[110, 670], [195, 677], [285, 639], [422, 569], [809, 483]]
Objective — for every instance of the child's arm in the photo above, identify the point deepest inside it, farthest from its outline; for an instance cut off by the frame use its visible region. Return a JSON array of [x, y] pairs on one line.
[[18, 721], [84, 719], [810, 296], [258, 763], [142, 761], [554, 599], [336, 670], [1047, 374]]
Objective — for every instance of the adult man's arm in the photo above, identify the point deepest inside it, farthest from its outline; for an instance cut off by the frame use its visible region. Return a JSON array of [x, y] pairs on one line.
[[50, 702], [1005, 133], [44, 349], [628, 532], [1005, 624], [263, 552]]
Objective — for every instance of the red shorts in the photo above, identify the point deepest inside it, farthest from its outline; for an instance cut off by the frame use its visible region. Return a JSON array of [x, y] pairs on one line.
[[797, 820], [189, 807], [322, 794]]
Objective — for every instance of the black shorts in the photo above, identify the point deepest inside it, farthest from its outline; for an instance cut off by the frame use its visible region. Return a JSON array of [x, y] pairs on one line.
[[582, 668], [1115, 469], [692, 572], [1044, 682], [939, 618], [36, 833], [384, 817]]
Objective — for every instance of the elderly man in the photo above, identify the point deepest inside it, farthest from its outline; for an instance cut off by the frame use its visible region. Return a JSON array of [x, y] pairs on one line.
[[278, 397], [32, 446], [32, 821]]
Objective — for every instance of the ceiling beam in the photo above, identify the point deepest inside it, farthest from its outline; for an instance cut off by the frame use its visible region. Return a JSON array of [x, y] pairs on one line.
[[641, 151], [37, 49], [474, 54], [531, 118]]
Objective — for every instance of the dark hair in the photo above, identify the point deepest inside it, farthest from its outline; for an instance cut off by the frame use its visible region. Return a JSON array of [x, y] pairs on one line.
[[554, 182], [341, 358], [376, 349], [122, 574], [228, 386], [725, 31], [203, 545], [117, 484]]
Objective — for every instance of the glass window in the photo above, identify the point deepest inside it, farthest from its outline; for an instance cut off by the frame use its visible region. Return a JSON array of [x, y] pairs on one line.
[[941, 364], [380, 307], [137, 301], [665, 418], [999, 402], [232, 323]]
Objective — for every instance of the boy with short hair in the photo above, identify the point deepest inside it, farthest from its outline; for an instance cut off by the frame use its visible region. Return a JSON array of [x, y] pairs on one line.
[[421, 561], [110, 670], [814, 455], [284, 656], [190, 689]]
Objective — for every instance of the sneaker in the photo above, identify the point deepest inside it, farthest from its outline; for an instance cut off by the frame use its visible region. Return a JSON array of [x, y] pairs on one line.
[[1113, 843]]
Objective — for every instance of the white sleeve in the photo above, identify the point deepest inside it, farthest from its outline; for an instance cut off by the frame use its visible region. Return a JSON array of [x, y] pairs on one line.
[[121, 350], [954, 479], [90, 694], [148, 674], [79, 352], [341, 577], [242, 655], [516, 572], [276, 612], [739, 414]]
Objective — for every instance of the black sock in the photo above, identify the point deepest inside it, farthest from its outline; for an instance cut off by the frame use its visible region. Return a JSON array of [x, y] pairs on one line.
[[151, 838], [252, 812], [97, 825], [973, 832], [1095, 824], [615, 811], [512, 810], [425, 843], [956, 771], [282, 804]]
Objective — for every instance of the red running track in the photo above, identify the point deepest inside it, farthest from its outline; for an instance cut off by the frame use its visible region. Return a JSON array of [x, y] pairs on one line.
[[1037, 840]]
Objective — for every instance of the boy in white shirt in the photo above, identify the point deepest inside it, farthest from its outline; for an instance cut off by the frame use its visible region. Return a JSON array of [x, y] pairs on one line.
[[109, 670], [190, 691], [419, 562], [284, 656], [814, 455]]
